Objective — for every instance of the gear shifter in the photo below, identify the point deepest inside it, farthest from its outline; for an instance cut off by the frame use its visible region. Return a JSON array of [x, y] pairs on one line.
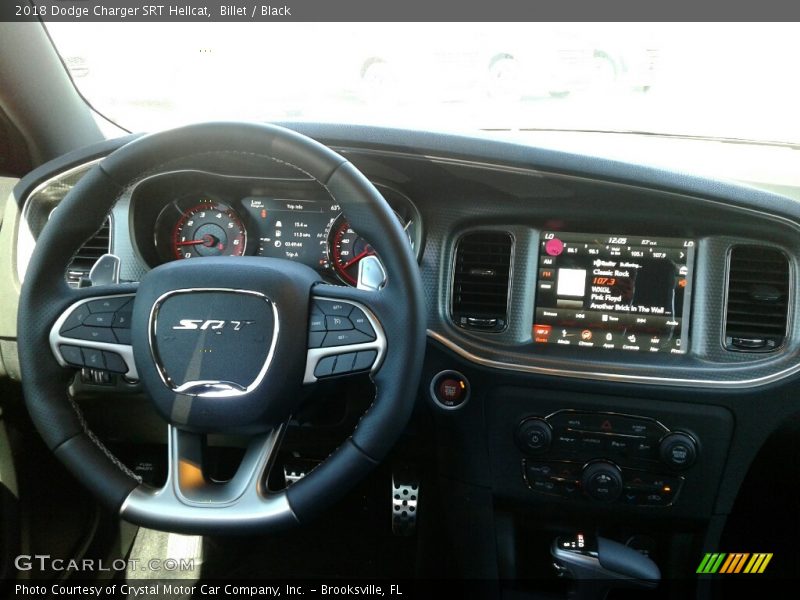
[[598, 565]]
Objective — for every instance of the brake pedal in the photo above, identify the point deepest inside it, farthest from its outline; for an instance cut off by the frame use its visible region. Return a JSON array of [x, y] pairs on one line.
[[405, 504]]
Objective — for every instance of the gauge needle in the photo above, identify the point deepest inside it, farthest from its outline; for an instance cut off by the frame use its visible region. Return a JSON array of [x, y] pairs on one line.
[[356, 258], [208, 240]]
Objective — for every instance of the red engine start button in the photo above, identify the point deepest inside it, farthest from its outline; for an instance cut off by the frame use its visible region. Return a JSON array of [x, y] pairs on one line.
[[450, 389]]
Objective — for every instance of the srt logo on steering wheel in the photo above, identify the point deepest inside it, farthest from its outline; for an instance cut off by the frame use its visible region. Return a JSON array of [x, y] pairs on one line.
[[211, 324]]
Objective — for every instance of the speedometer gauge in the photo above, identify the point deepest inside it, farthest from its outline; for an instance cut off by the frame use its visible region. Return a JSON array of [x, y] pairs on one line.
[[208, 229], [347, 248]]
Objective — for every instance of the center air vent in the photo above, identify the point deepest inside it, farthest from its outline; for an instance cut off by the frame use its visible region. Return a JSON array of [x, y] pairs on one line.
[[85, 258], [758, 299], [481, 280]]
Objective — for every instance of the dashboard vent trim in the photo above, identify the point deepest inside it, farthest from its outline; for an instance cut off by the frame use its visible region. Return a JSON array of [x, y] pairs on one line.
[[481, 280], [83, 261], [757, 300]]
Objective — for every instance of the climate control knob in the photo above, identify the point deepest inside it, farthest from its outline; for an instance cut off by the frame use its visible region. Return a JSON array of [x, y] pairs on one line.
[[678, 450], [534, 436], [602, 481]]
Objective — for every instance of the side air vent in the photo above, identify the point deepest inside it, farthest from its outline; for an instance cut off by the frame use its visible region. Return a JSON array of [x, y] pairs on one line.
[[481, 280], [85, 258], [758, 299]]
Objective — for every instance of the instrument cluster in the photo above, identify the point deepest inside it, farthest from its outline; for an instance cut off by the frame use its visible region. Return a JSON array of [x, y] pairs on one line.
[[193, 214]]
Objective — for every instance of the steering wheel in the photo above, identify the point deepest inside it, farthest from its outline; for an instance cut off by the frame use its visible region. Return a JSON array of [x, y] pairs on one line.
[[221, 345]]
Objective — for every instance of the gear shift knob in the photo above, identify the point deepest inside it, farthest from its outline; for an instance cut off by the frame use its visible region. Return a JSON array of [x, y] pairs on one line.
[[606, 563]]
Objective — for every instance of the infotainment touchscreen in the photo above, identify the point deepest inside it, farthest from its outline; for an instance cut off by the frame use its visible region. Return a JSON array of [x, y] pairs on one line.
[[612, 292]]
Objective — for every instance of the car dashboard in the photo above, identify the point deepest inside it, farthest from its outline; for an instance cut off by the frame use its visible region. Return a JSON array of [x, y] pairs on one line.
[[608, 343]]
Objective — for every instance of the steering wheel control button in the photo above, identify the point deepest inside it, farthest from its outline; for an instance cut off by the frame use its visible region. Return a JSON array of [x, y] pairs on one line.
[[315, 339], [123, 336], [122, 319], [364, 360], [316, 322], [361, 322], [75, 318], [99, 320], [114, 362], [344, 363], [678, 450], [338, 324], [450, 390], [333, 331], [92, 334], [93, 358], [334, 308], [104, 305], [325, 367], [72, 355], [345, 338], [602, 481]]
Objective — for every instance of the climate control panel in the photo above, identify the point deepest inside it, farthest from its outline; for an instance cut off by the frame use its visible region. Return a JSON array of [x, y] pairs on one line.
[[605, 457]]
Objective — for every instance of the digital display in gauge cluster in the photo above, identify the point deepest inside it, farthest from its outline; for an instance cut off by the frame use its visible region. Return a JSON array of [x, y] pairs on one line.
[[292, 229], [314, 232], [614, 292]]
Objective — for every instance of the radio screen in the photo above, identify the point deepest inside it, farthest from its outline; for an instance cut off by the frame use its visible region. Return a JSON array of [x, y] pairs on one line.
[[614, 292]]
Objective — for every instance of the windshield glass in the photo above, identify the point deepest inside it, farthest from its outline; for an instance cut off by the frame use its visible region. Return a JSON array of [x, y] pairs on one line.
[[708, 80]]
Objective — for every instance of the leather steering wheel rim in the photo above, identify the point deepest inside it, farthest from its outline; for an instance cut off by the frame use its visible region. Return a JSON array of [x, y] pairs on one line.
[[398, 307]]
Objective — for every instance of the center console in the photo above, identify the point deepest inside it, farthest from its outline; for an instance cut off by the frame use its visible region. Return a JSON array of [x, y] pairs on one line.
[[605, 457], [616, 455]]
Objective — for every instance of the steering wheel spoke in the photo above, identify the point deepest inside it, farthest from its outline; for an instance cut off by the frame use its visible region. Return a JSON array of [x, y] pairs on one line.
[[345, 336], [189, 500], [95, 333]]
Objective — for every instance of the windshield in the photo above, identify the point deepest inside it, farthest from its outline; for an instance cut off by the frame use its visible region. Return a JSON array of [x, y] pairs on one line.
[[707, 80]]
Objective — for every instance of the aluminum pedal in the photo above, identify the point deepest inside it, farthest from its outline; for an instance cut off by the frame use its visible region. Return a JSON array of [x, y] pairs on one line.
[[405, 504], [294, 470]]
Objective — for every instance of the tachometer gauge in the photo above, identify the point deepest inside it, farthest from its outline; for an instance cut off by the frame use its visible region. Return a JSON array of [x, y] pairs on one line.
[[208, 228]]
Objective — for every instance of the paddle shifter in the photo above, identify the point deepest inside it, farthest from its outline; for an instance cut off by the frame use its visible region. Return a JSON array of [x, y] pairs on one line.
[[598, 565]]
